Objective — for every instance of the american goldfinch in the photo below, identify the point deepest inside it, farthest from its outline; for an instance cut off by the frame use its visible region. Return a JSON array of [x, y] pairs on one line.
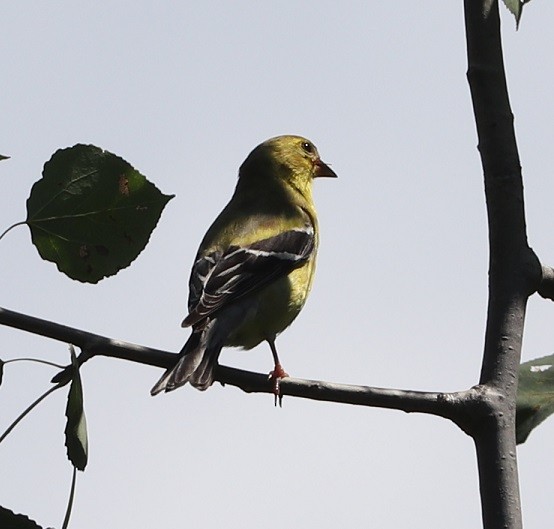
[[255, 266]]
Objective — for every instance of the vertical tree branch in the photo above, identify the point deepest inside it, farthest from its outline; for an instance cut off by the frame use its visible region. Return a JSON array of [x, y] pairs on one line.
[[514, 271], [498, 478], [503, 189]]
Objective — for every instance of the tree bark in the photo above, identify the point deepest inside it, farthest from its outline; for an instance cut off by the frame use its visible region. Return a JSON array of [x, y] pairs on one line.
[[514, 271]]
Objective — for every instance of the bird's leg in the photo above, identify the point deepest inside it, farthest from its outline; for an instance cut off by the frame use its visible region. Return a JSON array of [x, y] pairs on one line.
[[277, 374]]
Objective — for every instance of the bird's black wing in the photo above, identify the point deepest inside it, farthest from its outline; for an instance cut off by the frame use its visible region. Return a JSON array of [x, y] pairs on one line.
[[218, 279]]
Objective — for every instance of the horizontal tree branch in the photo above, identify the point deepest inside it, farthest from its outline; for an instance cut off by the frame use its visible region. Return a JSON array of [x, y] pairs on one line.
[[90, 344], [456, 406]]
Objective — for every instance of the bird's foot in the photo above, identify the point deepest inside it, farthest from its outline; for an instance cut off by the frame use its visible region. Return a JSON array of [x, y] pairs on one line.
[[275, 376]]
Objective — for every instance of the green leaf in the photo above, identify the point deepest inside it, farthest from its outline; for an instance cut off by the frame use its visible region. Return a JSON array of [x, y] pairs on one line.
[[76, 439], [10, 520], [535, 398], [516, 8], [2, 157], [92, 213]]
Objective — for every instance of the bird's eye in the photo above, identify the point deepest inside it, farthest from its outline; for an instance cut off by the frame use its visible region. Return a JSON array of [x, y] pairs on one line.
[[308, 147]]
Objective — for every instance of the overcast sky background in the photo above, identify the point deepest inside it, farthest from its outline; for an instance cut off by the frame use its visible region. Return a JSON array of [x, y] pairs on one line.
[[184, 91]]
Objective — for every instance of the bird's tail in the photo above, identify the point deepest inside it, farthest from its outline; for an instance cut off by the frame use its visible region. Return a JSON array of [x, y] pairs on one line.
[[196, 364]]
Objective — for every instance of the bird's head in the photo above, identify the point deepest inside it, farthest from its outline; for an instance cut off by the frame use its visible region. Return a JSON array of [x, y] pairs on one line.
[[293, 159]]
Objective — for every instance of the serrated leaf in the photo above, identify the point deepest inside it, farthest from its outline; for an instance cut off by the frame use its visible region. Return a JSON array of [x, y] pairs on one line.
[[10, 520], [535, 398], [76, 440], [92, 213], [516, 8]]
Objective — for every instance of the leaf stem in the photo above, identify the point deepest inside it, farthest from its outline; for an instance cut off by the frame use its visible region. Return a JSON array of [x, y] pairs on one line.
[[11, 227], [70, 500], [37, 360], [29, 409]]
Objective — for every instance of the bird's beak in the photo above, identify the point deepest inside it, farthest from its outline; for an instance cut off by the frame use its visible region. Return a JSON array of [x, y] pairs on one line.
[[322, 169]]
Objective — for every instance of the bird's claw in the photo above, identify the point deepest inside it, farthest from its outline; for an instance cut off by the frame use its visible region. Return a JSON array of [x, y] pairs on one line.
[[275, 376]]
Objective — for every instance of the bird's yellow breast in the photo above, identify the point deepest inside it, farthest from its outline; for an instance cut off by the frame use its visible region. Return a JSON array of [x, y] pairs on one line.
[[275, 308]]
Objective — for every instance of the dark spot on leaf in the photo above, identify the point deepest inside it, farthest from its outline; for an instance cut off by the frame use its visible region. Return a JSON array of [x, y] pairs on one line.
[[124, 185], [84, 252]]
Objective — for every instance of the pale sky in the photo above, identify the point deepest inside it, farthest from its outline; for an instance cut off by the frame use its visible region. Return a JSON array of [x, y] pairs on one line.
[[184, 91]]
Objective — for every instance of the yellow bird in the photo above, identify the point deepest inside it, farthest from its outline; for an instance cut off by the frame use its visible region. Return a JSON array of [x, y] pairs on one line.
[[255, 266]]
